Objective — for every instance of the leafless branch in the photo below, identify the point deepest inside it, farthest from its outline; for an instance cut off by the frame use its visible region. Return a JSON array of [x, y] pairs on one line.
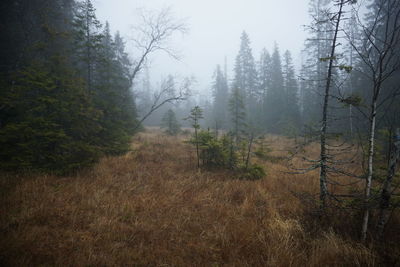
[[153, 34], [168, 94]]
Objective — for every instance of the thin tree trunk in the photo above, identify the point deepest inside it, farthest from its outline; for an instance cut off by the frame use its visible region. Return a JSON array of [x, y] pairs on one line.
[[368, 182], [323, 153], [386, 189], [197, 148], [249, 150], [88, 48], [352, 25]]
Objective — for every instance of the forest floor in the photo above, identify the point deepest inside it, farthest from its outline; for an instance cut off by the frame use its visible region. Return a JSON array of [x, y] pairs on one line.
[[151, 207]]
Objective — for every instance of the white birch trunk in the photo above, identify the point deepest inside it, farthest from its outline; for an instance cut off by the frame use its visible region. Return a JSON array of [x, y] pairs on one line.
[[368, 181]]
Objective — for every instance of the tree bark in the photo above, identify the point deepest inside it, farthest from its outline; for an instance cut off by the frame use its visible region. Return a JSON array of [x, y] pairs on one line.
[[249, 150], [323, 152], [197, 147], [387, 186], [368, 181]]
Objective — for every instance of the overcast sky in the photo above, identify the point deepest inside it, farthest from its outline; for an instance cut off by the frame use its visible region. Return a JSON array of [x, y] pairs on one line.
[[215, 27]]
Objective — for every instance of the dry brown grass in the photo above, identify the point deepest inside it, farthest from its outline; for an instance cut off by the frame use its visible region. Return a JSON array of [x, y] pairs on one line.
[[152, 208]]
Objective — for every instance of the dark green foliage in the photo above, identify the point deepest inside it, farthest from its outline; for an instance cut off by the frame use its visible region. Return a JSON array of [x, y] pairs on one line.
[[252, 172], [238, 113], [87, 40], [170, 123], [50, 123], [112, 96], [214, 151], [65, 96], [222, 153]]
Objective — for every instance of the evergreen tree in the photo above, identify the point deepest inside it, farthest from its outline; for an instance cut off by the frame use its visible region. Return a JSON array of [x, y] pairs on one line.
[[303, 90], [275, 102], [238, 113], [264, 83], [113, 97], [87, 39], [317, 47], [221, 96], [170, 123], [196, 114], [245, 78], [44, 133], [292, 117], [47, 121]]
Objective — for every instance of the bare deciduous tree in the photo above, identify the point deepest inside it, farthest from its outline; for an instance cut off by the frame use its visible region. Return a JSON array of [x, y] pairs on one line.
[[151, 35], [168, 94], [379, 54]]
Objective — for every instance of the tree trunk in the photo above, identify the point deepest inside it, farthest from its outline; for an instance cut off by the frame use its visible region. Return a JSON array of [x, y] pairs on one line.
[[197, 148], [88, 51], [249, 150], [368, 182], [386, 189], [323, 153]]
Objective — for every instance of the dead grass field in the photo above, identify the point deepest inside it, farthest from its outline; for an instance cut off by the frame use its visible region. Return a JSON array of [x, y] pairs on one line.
[[152, 208]]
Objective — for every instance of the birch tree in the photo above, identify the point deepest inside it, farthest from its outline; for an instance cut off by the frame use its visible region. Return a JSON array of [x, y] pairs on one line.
[[380, 57]]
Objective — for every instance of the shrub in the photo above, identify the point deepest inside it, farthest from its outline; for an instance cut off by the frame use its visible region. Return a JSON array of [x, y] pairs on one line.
[[214, 151], [253, 172]]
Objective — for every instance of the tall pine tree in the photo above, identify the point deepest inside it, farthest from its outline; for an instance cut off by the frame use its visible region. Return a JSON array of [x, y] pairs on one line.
[[275, 103], [220, 98], [245, 77]]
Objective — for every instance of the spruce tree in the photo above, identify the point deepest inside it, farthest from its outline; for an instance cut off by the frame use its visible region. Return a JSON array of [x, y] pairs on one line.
[[245, 77], [220, 98], [47, 120], [113, 97], [170, 123], [238, 113], [87, 36], [292, 116], [316, 47], [275, 102], [196, 114], [264, 83]]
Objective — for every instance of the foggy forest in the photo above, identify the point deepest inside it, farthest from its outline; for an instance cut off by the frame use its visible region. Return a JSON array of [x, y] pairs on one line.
[[199, 133]]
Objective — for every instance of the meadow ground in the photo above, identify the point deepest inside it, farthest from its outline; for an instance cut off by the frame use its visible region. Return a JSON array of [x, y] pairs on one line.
[[151, 207]]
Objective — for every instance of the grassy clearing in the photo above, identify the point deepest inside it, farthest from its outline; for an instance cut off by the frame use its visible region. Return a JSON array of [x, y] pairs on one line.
[[152, 208]]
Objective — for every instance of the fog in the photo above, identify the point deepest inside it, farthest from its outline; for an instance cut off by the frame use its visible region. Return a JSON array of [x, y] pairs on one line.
[[200, 132], [214, 31]]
